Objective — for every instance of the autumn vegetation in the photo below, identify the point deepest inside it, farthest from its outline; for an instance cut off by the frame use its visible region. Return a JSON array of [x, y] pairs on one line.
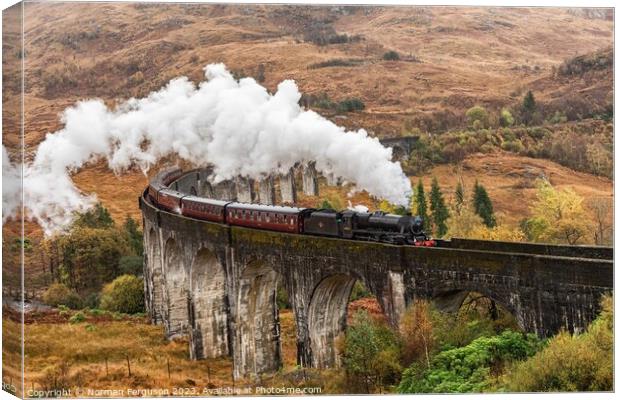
[[95, 263]]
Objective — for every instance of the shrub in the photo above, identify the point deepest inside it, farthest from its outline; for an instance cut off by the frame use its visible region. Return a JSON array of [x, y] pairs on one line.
[[124, 294], [91, 300], [131, 265], [505, 118], [468, 368], [513, 146], [352, 104], [59, 294], [477, 113], [77, 318], [391, 56], [282, 297], [359, 291], [557, 118], [336, 62]]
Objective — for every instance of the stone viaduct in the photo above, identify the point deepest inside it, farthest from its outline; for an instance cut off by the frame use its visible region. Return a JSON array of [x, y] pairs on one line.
[[217, 284], [401, 146]]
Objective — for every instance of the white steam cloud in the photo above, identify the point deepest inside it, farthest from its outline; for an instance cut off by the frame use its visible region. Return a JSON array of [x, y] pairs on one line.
[[236, 126]]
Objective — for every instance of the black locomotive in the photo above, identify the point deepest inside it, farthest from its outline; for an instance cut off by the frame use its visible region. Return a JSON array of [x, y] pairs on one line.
[[375, 226]]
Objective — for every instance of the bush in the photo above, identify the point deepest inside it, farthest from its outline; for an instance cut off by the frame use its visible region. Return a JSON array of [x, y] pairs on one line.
[[282, 298], [359, 291], [131, 265], [513, 146], [59, 294], [352, 104], [477, 117], [77, 318], [505, 118], [468, 369], [124, 294], [391, 56], [91, 300], [337, 62]]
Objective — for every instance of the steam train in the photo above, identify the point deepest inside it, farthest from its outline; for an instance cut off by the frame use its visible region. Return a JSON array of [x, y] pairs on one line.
[[375, 226]]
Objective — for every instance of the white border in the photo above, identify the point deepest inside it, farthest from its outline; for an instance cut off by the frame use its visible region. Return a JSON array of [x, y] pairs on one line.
[[510, 3]]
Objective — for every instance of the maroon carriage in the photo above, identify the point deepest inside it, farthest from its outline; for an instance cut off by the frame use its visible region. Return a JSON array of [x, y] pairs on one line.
[[203, 208], [275, 218], [170, 200], [162, 180]]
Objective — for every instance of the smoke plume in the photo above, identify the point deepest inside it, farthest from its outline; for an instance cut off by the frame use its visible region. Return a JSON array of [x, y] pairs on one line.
[[236, 126]]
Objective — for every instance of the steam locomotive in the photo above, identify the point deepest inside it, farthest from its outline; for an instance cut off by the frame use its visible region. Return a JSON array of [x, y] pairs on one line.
[[374, 226]]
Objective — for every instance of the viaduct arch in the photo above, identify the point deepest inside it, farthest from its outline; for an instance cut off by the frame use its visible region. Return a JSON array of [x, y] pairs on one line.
[[218, 285]]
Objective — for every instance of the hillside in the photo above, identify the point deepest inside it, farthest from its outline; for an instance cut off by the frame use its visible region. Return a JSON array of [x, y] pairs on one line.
[[449, 60]]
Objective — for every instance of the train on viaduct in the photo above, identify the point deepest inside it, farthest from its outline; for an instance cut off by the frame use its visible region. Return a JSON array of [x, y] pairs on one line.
[[217, 283]]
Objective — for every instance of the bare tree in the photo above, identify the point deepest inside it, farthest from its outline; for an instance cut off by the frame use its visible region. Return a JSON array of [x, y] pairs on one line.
[[602, 207]]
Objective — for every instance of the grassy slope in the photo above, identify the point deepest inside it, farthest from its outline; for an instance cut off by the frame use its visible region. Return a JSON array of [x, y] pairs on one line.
[[84, 356]]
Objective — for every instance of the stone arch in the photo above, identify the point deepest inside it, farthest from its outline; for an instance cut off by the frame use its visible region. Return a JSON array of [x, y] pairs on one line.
[[257, 333], [208, 311], [176, 289], [155, 278], [452, 300], [398, 152], [327, 318]]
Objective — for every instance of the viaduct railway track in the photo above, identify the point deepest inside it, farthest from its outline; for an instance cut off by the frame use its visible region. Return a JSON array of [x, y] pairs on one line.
[[212, 273]]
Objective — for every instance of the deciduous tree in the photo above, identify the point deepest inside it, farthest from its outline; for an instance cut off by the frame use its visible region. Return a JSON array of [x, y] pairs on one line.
[[371, 354], [558, 216]]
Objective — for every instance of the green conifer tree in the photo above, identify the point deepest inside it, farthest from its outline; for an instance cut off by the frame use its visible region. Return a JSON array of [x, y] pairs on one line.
[[438, 209], [420, 202], [529, 107], [483, 205]]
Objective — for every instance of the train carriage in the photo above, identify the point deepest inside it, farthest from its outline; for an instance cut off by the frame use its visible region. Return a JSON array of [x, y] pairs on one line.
[[275, 218], [170, 200], [161, 181], [203, 208]]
